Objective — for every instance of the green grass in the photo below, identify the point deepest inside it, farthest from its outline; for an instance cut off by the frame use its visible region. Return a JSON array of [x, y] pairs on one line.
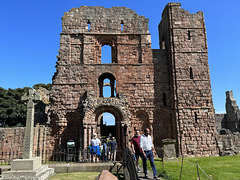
[[75, 175], [81, 176], [218, 168]]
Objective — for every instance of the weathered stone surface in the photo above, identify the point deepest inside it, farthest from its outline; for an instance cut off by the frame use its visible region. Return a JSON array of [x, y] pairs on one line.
[[232, 113], [106, 175], [41, 173], [31, 99], [26, 164], [169, 149]]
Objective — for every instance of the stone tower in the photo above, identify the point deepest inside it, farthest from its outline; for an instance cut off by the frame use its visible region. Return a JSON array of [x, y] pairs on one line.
[[166, 89], [183, 36]]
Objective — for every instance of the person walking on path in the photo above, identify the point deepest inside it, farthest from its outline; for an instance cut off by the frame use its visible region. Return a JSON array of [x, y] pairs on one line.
[[135, 142], [147, 148], [113, 149]]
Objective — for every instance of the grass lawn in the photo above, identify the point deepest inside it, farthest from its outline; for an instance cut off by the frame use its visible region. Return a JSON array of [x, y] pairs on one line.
[[218, 168], [75, 175]]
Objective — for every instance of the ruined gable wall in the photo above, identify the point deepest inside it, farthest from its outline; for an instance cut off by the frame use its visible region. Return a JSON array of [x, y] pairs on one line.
[[79, 62]]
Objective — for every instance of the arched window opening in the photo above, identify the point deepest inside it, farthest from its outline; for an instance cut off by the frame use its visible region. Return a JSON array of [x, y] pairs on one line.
[[108, 128], [106, 57], [106, 88], [191, 73], [163, 43], [107, 85]]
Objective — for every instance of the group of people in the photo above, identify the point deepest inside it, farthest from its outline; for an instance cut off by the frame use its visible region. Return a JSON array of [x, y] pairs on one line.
[[142, 146], [104, 150]]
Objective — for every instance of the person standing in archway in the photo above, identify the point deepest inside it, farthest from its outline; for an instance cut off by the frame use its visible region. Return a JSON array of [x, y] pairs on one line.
[[95, 150], [136, 147], [147, 148], [113, 149]]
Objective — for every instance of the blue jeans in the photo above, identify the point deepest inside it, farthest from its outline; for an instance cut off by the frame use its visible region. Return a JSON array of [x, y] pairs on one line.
[[149, 155]]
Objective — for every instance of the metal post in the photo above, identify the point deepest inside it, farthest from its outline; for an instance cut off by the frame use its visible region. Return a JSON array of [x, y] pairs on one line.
[[198, 171]]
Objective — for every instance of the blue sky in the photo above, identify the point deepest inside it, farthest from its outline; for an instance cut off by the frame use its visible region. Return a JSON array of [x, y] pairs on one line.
[[30, 33]]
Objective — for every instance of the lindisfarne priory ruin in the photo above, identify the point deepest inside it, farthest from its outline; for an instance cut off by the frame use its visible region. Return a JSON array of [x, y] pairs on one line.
[[167, 90]]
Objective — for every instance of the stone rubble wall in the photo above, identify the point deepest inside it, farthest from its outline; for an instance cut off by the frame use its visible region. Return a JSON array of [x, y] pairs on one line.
[[228, 144], [12, 139]]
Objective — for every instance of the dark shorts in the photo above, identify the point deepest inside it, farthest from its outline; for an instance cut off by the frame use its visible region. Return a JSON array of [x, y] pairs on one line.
[[138, 154]]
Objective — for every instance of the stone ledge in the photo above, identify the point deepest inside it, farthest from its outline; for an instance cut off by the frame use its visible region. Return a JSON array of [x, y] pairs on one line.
[[42, 173], [26, 164]]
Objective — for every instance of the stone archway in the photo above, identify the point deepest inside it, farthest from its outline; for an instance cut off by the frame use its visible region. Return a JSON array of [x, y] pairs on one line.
[[119, 123], [95, 106]]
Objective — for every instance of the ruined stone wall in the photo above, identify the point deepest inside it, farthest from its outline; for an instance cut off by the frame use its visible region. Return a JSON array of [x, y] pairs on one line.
[[163, 127], [228, 144], [232, 113], [166, 89], [184, 38], [11, 139], [220, 121], [79, 65]]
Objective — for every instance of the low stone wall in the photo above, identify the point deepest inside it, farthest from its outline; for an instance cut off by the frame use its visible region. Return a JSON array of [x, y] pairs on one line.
[[12, 139], [228, 144]]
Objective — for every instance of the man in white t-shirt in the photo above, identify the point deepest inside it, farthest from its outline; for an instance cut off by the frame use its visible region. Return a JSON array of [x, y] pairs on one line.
[[147, 148], [95, 150]]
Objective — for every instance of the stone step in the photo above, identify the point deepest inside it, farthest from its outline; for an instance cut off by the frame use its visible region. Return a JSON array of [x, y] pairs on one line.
[[41, 173]]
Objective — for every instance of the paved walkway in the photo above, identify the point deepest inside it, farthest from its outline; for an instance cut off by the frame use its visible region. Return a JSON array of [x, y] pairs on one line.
[[141, 175]]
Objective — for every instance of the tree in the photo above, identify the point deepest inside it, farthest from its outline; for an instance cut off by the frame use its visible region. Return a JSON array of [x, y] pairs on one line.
[[13, 111], [46, 86]]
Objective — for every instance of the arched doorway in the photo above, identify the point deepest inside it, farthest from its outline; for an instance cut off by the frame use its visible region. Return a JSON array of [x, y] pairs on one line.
[[119, 127], [94, 107]]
